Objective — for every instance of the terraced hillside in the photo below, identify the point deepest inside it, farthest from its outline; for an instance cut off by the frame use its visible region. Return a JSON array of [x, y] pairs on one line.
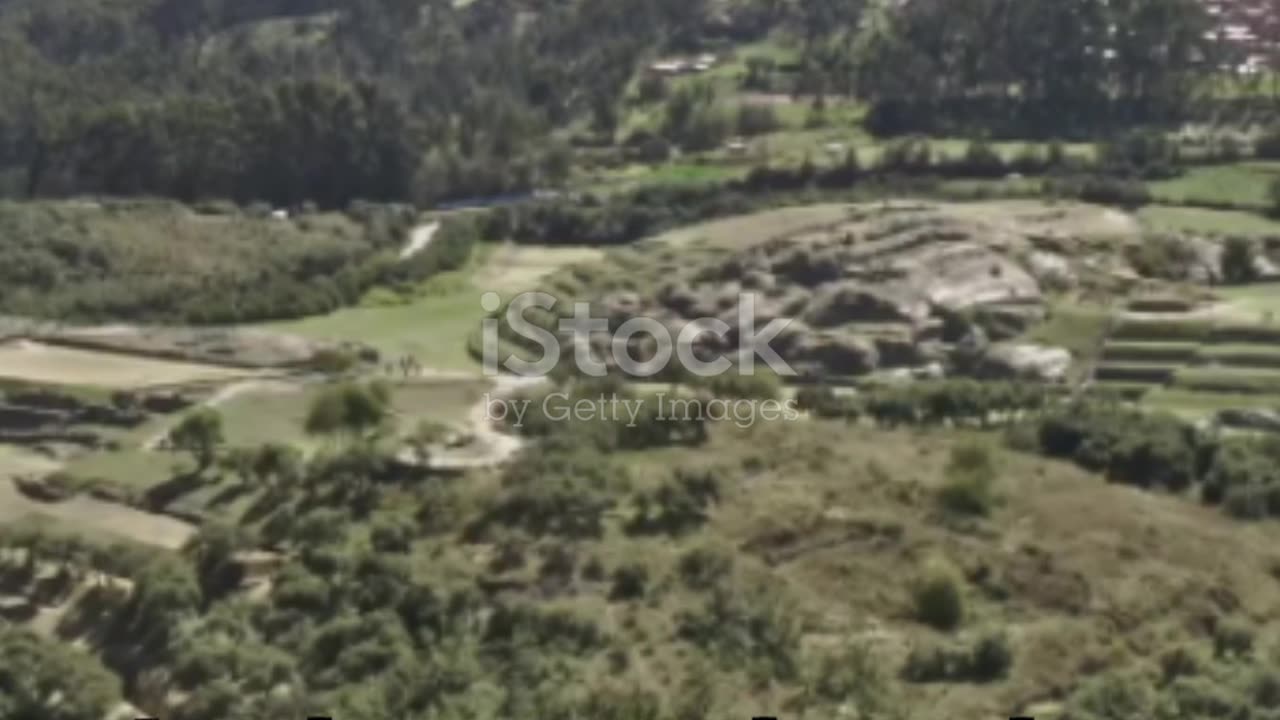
[[1194, 362]]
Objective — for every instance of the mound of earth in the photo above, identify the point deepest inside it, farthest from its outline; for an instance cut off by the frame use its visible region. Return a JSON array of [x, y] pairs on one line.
[[887, 287]]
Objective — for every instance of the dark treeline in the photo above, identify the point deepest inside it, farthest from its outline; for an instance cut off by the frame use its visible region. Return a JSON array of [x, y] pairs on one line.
[[425, 100], [1064, 68], [378, 99], [906, 166]]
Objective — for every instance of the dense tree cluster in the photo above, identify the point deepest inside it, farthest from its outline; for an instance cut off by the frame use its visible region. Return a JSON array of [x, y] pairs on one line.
[[1156, 451], [312, 100], [42, 678], [1042, 67]]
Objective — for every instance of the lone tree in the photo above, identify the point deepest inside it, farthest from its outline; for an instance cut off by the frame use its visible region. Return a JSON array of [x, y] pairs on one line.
[[353, 409], [199, 433], [1237, 260]]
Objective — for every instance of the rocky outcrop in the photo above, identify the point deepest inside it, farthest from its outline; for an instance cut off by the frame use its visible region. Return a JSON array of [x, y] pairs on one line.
[[1052, 270], [1024, 361], [888, 288]]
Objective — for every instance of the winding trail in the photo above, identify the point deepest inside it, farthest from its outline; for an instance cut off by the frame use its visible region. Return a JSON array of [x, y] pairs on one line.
[[489, 446]]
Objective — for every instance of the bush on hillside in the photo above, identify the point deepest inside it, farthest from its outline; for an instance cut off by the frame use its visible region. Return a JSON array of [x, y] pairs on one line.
[[988, 659], [970, 480], [938, 597]]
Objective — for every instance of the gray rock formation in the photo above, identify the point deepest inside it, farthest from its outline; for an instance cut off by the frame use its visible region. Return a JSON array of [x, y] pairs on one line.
[[1025, 361]]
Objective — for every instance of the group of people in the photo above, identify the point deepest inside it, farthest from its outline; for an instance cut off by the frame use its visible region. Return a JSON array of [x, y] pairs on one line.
[[407, 365]]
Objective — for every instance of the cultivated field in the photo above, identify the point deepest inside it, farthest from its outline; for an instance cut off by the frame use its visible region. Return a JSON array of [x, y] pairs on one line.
[[83, 513], [38, 363]]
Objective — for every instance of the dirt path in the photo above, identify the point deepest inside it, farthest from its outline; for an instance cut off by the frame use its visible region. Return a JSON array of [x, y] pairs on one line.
[[419, 239], [489, 446]]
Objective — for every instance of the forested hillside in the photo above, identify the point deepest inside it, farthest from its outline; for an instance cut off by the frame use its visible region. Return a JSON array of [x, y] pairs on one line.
[[315, 100], [329, 100]]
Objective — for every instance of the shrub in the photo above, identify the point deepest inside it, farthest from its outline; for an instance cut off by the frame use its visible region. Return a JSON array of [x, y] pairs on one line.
[[558, 563], [906, 155], [1148, 153], [392, 535], [1113, 695], [760, 385], [755, 119], [981, 160], [1162, 257], [939, 597], [823, 402], [1233, 637], [852, 675], [1238, 254], [1181, 661], [703, 568], [971, 476], [1101, 189], [630, 582], [1267, 145], [989, 659], [1273, 198]]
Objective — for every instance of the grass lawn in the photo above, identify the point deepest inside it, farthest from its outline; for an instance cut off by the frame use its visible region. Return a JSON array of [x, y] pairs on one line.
[[1137, 351], [432, 328], [271, 415], [1165, 218], [433, 323], [684, 173], [1258, 299], [1244, 182], [1229, 380], [1267, 356], [1077, 328], [1194, 405], [255, 418]]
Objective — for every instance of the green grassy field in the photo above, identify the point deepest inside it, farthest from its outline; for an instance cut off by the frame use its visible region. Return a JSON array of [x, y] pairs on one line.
[[432, 328], [1195, 405], [1228, 380], [434, 322], [1244, 182], [1150, 351], [1260, 300], [1240, 355], [1165, 218], [1077, 328], [271, 414]]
